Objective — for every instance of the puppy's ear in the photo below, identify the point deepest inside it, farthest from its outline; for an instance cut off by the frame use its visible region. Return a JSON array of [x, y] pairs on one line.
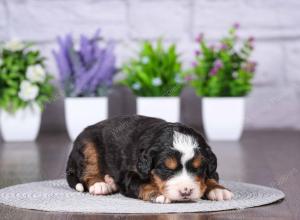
[[211, 161], [145, 162]]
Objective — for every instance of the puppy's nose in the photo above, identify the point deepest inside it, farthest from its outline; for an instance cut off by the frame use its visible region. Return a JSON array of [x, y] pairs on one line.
[[186, 192]]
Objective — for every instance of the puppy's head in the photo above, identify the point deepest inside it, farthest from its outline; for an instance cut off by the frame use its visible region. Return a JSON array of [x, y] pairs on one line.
[[180, 167]]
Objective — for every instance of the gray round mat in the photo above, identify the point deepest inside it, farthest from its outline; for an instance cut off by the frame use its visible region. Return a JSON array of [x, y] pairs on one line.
[[57, 196]]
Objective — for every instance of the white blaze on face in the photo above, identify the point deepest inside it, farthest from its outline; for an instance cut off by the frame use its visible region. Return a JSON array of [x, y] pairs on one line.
[[183, 181]]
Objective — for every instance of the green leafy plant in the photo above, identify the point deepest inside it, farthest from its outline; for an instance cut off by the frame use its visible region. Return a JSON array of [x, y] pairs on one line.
[[23, 78], [226, 70], [155, 72]]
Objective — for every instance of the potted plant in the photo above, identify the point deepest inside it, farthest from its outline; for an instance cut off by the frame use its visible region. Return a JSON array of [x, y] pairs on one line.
[[25, 87], [222, 76], [155, 77], [86, 76]]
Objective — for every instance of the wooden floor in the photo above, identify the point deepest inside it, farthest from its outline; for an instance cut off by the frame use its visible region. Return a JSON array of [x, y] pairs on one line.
[[267, 158]]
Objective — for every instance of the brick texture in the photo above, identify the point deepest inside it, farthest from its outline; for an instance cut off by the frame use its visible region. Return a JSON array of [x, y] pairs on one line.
[[274, 102], [3, 21]]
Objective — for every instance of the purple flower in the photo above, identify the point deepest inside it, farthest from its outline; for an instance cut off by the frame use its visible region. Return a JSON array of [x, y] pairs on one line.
[[199, 38], [86, 71], [188, 78], [194, 64], [213, 71], [251, 39], [223, 46], [218, 64], [236, 25], [197, 52]]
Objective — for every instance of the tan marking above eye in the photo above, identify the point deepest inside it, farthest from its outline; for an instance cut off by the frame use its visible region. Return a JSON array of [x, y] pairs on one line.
[[197, 162], [171, 163]]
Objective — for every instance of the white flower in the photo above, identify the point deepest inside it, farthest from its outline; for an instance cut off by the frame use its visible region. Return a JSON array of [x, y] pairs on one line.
[[178, 79], [14, 45], [235, 74], [156, 81], [28, 91], [145, 60], [136, 86], [36, 73]]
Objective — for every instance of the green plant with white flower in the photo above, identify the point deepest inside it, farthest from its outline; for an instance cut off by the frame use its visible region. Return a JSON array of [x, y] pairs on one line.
[[157, 71], [23, 78]]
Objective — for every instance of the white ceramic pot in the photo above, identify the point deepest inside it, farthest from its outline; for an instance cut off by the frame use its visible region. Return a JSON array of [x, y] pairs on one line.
[[166, 108], [84, 111], [23, 125], [223, 118]]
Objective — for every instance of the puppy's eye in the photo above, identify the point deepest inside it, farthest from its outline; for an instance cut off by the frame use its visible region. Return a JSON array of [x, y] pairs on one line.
[[171, 163], [197, 162]]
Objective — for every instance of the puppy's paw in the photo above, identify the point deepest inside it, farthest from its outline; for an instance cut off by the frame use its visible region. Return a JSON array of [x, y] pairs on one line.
[[220, 195], [100, 188], [79, 187], [161, 199], [110, 181]]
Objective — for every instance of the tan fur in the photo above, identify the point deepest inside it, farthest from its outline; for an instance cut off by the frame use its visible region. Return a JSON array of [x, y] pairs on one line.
[[91, 173], [148, 192], [153, 189], [200, 181], [159, 183], [197, 162], [212, 184], [171, 163]]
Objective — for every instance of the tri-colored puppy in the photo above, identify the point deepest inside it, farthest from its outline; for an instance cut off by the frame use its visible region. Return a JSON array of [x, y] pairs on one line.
[[144, 158]]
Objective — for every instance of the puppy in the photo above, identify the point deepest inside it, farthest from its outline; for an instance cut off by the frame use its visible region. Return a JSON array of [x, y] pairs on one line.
[[144, 158]]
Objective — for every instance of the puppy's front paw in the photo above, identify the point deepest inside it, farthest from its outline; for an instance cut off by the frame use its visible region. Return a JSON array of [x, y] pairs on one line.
[[100, 188], [220, 194], [110, 181], [161, 199]]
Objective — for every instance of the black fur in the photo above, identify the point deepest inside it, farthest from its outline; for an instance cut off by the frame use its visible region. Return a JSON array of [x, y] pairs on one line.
[[130, 147]]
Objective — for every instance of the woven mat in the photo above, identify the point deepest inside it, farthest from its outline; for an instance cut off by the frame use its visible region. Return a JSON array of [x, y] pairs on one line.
[[56, 196]]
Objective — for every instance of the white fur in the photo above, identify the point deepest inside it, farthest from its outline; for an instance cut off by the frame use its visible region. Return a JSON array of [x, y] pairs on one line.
[[100, 188], [179, 183], [186, 145], [220, 195], [162, 199], [79, 187]]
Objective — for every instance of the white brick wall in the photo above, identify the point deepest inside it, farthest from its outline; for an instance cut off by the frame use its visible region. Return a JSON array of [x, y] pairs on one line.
[[44, 20], [275, 101], [3, 21], [152, 19]]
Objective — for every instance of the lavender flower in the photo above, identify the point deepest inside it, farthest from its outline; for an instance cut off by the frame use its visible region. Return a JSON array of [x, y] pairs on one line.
[[87, 70]]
